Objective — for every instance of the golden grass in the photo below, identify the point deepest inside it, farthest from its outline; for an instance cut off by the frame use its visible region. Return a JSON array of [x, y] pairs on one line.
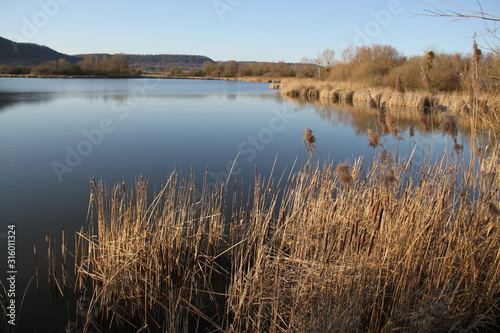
[[391, 246], [485, 104]]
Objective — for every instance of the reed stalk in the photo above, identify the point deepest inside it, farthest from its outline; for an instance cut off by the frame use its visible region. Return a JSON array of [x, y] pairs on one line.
[[341, 248]]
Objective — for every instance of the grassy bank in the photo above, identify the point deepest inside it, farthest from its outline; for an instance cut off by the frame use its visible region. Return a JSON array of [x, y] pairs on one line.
[[481, 109], [332, 247]]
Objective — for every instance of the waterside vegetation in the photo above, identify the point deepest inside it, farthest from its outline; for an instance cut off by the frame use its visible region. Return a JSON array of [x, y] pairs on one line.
[[341, 246], [436, 83]]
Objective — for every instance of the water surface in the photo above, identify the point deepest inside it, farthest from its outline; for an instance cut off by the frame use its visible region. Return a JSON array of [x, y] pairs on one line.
[[55, 134]]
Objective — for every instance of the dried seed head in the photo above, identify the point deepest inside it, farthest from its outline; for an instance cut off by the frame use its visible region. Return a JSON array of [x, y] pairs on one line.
[[450, 124], [458, 148], [388, 176], [385, 156], [343, 171], [373, 138], [341, 168], [345, 178], [371, 101], [412, 131], [476, 52], [391, 125], [310, 139], [383, 108], [493, 209]]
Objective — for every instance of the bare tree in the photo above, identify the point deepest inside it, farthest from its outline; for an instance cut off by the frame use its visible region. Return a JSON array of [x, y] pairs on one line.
[[326, 58], [457, 13], [323, 61]]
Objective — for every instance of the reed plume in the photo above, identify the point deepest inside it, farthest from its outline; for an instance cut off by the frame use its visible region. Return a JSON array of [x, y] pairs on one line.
[[310, 139], [373, 138], [450, 124], [493, 209], [371, 101], [392, 126], [343, 171], [388, 176], [385, 156], [382, 114], [457, 147], [476, 56]]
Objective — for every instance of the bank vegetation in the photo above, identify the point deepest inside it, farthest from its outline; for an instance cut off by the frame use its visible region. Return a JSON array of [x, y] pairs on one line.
[[93, 65], [467, 86], [339, 247]]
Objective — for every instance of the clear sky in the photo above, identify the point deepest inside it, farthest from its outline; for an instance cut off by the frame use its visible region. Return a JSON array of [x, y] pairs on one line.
[[272, 30]]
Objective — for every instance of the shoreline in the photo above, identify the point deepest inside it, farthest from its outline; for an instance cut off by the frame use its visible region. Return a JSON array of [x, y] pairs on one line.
[[481, 109], [164, 77], [473, 109]]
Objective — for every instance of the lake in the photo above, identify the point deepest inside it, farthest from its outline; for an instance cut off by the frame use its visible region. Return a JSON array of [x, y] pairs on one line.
[[56, 134]]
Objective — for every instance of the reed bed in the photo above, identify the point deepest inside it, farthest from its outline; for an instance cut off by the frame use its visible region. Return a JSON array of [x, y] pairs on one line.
[[341, 247], [486, 104]]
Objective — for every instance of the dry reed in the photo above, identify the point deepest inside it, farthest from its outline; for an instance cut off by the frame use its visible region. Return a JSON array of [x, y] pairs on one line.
[[309, 139], [388, 176], [450, 124], [399, 84], [371, 101], [420, 102], [426, 79], [419, 256], [493, 209], [373, 138], [392, 126]]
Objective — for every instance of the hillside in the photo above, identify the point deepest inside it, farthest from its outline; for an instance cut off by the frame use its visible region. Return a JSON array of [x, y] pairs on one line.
[[161, 62], [28, 54], [167, 61]]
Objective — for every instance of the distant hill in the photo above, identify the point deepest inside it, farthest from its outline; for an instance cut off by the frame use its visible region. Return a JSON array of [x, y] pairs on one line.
[[161, 62], [166, 61], [12, 53], [29, 54]]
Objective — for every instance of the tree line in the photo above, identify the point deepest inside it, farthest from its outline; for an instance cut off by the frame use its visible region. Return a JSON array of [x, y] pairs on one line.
[[374, 65], [383, 65], [270, 69], [116, 65], [377, 66]]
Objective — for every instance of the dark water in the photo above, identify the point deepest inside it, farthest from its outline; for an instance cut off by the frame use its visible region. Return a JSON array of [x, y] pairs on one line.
[[55, 134]]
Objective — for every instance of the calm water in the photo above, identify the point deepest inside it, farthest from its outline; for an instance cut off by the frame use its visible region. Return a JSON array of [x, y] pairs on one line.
[[55, 134]]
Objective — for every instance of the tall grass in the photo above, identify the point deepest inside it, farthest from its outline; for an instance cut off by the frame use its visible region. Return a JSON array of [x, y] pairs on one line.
[[153, 264], [342, 247], [378, 71]]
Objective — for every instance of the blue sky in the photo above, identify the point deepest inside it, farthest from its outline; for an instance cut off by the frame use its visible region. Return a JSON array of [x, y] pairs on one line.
[[237, 29]]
